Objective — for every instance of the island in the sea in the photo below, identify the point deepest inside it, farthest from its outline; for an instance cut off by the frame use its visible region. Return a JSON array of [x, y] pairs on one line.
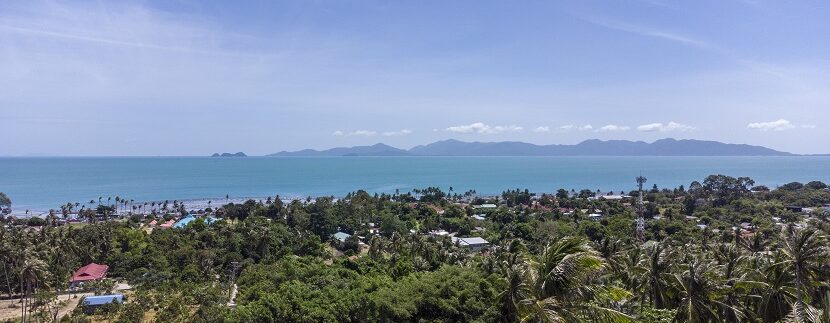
[[239, 154], [593, 147]]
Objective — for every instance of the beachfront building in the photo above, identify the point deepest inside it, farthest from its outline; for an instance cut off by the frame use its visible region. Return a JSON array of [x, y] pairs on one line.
[[90, 272], [472, 243], [190, 218]]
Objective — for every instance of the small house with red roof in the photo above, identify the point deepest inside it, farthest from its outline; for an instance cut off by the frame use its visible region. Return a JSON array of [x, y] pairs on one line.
[[168, 224], [89, 272]]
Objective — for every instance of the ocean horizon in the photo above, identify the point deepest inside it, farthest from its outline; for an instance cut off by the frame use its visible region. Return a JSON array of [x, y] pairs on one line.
[[38, 184]]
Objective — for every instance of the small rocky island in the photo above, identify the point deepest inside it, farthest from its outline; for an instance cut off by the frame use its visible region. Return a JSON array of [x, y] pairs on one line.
[[239, 154]]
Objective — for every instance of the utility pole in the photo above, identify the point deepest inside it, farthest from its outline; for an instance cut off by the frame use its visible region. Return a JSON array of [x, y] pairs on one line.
[[641, 223]]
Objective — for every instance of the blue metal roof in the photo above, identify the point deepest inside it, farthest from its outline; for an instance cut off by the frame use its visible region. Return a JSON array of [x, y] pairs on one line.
[[342, 236], [103, 299], [190, 218]]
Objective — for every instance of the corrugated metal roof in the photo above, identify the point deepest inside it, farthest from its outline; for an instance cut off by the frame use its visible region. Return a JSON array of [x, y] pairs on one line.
[[342, 236], [103, 299]]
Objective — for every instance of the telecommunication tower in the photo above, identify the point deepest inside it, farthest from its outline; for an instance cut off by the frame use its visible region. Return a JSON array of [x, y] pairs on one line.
[[641, 223]]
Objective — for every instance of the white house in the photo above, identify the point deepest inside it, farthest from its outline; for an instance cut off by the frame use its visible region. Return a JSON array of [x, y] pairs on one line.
[[595, 216], [472, 243]]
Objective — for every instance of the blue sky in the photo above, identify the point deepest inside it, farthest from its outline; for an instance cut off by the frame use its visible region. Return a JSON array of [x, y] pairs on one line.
[[196, 77]]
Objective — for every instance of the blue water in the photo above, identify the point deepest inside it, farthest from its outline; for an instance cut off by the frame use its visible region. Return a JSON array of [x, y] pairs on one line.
[[44, 183]]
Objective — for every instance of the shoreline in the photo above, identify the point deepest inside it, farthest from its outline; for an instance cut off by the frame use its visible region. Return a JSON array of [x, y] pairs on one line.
[[190, 205]]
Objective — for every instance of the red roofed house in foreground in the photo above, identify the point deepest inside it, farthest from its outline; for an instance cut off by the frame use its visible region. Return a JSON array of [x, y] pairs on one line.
[[89, 272]]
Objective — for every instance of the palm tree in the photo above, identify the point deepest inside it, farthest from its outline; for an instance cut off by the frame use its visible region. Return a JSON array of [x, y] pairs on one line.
[[6, 256], [805, 253], [556, 286], [626, 267], [376, 247], [730, 260], [517, 291], [773, 287], [698, 289], [656, 266], [33, 272]]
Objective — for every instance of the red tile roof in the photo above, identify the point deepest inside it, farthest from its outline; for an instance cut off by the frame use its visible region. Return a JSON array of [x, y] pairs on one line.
[[168, 224], [92, 271]]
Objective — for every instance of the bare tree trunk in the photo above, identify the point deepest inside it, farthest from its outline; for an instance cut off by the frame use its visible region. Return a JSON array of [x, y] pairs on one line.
[[22, 301], [8, 284], [798, 290]]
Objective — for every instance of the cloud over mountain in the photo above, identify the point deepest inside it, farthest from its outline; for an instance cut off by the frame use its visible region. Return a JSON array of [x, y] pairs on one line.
[[777, 125], [671, 126], [482, 128], [613, 127]]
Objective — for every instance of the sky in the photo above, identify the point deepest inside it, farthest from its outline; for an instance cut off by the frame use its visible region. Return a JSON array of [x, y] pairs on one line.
[[176, 77]]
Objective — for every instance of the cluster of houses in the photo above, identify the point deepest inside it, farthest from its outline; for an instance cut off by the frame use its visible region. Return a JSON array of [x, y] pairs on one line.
[[473, 244]]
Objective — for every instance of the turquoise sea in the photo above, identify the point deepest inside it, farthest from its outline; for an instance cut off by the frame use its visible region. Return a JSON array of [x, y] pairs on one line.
[[44, 183]]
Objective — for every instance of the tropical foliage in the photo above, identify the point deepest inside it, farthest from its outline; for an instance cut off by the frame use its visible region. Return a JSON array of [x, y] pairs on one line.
[[719, 251]]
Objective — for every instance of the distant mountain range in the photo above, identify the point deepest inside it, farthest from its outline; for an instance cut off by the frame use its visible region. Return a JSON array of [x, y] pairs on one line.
[[593, 147], [239, 154]]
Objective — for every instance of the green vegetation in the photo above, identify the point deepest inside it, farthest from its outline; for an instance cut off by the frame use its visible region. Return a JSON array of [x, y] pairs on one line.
[[721, 250], [5, 203]]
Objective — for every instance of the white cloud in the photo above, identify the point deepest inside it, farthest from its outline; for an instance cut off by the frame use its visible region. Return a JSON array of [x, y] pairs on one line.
[[363, 133], [482, 128], [570, 127], [613, 127], [671, 126], [367, 133], [542, 129], [401, 132], [777, 125]]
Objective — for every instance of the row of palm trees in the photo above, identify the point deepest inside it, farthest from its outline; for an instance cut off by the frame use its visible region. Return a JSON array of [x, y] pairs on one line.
[[783, 278], [614, 281], [36, 262], [121, 206]]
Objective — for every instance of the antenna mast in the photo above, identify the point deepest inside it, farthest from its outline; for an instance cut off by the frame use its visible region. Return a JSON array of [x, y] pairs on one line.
[[641, 223]]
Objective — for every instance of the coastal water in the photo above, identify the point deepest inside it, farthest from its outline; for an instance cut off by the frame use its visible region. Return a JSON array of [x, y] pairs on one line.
[[39, 184]]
